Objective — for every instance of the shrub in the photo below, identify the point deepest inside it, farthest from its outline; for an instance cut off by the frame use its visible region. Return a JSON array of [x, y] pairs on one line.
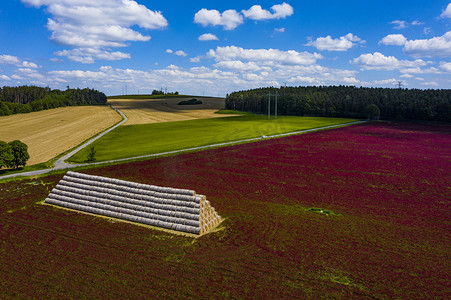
[[193, 101]]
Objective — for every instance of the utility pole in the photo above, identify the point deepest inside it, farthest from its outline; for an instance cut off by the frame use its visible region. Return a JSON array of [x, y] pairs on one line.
[[399, 84], [269, 105], [275, 113]]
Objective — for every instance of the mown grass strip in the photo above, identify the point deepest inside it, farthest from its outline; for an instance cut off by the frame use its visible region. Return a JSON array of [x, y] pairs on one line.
[[136, 140]]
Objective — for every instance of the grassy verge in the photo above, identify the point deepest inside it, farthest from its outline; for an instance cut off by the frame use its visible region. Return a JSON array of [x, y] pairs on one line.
[[232, 112], [136, 140], [41, 166]]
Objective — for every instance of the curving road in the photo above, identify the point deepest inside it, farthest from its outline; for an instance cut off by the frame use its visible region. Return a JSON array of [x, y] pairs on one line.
[[60, 164]]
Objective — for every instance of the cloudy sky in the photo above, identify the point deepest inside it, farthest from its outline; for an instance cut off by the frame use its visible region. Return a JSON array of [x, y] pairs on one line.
[[216, 47]]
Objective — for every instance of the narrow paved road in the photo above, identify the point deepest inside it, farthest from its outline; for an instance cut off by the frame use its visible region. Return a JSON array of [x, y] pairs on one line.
[[60, 164]]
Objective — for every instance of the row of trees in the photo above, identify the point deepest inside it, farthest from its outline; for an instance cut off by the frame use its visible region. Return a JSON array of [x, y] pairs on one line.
[[13, 154], [347, 101], [24, 99], [160, 92]]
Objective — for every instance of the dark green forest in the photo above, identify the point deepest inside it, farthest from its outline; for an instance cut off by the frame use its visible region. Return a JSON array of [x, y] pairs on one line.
[[25, 99], [347, 102]]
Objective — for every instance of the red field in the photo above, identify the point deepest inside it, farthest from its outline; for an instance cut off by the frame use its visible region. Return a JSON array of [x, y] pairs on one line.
[[384, 189]]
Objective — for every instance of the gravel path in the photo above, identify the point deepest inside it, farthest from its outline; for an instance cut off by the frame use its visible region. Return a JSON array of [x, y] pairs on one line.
[[60, 164]]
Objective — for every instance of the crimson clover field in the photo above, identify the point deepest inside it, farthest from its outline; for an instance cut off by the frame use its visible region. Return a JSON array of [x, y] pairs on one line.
[[361, 211]]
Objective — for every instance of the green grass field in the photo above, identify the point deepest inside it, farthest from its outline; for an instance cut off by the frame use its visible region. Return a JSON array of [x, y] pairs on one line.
[[136, 140]]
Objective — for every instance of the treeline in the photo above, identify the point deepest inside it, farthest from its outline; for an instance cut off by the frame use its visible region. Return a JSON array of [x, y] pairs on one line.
[[347, 102], [25, 99]]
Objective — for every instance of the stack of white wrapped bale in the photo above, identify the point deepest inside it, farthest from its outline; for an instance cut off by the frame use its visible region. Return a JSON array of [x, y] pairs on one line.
[[175, 209]]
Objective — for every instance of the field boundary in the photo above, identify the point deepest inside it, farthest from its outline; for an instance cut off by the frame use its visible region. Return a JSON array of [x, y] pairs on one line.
[[62, 165]]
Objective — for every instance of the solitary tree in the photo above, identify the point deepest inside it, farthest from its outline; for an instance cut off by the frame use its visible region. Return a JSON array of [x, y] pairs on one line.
[[19, 153], [91, 157], [373, 112]]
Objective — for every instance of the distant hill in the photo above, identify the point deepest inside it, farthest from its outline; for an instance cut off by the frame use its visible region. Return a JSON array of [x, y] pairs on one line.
[[159, 96]]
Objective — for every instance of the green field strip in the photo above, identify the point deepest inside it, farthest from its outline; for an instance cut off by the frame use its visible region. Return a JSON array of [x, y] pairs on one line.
[[137, 140]]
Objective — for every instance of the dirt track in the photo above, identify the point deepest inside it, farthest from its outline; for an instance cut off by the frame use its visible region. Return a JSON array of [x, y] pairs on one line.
[[145, 111], [49, 133]]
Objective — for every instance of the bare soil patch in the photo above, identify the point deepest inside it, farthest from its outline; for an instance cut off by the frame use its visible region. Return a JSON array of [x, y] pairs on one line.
[[51, 132], [146, 111]]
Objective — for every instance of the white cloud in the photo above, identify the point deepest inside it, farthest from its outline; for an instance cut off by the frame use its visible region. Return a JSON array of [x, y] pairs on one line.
[[434, 47], [399, 24], [445, 66], [447, 12], [100, 24], [14, 60], [403, 24], [208, 37], [195, 59], [378, 61], [180, 53], [89, 55], [240, 66], [430, 83], [230, 19], [418, 70], [247, 70], [9, 60], [343, 43], [351, 80], [279, 11], [264, 56], [394, 39], [279, 29], [28, 64], [305, 79], [30, 73], [5, 78]]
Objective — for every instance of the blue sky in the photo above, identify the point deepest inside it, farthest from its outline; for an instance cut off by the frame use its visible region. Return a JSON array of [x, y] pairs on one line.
[[217, 47]]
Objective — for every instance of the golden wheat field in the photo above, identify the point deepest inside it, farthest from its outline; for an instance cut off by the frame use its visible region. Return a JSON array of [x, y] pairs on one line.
[[145, 111], [49, 133]]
